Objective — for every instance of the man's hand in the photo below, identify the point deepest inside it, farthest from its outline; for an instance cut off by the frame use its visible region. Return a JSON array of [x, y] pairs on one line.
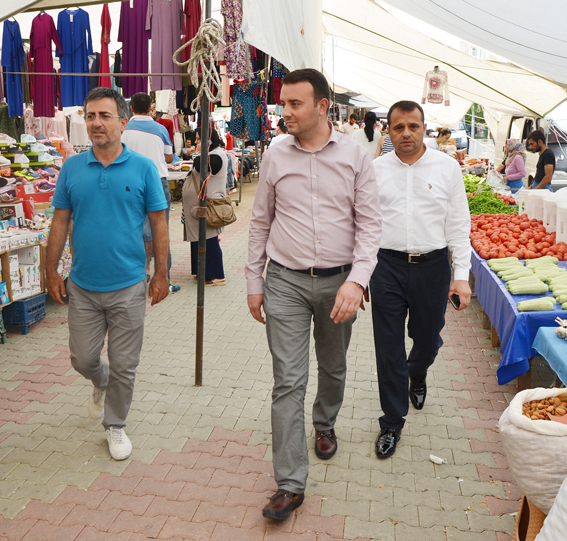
[[255, 305], [347, 302], [56, 287], [158, 288], [463, 290]]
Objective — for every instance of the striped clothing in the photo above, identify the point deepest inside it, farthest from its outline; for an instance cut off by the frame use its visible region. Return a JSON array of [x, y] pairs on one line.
[[387, 146]]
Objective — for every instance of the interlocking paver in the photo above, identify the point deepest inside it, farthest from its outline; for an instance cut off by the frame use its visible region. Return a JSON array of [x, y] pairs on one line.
[[206, 451]]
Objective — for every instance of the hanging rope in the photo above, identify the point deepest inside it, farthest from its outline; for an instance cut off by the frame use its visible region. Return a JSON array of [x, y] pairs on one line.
[[204, 49]]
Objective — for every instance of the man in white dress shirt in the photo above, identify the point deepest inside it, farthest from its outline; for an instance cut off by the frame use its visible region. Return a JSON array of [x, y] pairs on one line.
[[425, 216], [350, 127]]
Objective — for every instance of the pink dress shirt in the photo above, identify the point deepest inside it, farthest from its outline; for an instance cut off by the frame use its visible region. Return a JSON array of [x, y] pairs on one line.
[[315, 209]]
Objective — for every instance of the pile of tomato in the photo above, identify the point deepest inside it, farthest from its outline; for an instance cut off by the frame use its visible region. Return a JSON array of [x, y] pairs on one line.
[[508, 199], [505, 235]]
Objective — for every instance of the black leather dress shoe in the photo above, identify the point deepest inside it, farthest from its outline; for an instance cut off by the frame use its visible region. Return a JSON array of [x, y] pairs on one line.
[[387, 441], [417, 394], [281, 504]]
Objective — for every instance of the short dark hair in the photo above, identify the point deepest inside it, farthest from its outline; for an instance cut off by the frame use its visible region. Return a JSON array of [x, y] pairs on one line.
[[321, 90], [537, 136], [444, 131], [281, 123], [141, 103], [407, 107], [284, 129], [101, 92], [353, 116]]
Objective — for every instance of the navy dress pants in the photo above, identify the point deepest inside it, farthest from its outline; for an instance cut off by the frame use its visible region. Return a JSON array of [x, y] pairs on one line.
[[398, 287]]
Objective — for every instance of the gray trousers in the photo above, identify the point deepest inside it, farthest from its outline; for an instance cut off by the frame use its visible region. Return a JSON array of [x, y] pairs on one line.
[[291, 301], [121, 313]]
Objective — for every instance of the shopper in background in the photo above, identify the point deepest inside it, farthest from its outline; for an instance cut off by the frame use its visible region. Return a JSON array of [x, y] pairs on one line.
[[281, 133], [425, 216], [546, 163], [370, 135], [107, 192], [316, 215], [350, 127], [216, 187], [385, 145], [149, 138], [443, 136], [515, 164]]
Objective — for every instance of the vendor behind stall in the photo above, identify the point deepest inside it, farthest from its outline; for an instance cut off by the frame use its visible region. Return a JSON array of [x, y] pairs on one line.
[[515, 164], [443, 136]]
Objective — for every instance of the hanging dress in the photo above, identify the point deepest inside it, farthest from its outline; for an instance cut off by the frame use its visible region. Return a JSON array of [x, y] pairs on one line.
[[13, 60], [106, 25], [74, 31], [191, 24], [164, 23], [134, 37], [42, 33]]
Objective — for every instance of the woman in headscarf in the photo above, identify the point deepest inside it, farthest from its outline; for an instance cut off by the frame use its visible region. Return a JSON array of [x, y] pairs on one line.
[[216, 187], [369, 136], [515, 165]]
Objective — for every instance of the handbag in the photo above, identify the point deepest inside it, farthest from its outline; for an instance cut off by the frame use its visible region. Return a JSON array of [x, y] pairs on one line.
[[220, 211]]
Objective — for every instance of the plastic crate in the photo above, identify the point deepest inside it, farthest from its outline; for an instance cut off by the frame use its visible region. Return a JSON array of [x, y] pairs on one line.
[[25, 312]]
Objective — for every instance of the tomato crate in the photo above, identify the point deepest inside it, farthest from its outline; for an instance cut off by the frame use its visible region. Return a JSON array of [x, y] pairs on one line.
[[25, 312]]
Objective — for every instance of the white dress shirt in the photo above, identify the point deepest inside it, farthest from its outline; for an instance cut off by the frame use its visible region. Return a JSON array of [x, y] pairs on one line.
[[424, 207]]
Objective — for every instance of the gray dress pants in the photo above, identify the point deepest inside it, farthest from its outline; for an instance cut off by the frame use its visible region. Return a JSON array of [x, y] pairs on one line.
[[291, 301], [121, 313]]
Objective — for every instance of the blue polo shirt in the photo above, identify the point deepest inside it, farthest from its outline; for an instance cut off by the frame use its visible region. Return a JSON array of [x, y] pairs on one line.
[[109, 205]]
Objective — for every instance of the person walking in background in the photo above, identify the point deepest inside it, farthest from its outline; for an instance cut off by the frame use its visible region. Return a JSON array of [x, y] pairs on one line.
[[425, 216], [546, 163], [107, 192], [147, 137], [434, 143], [316, 215], [385, 145], [515, 164], [370, 135], [351, 126], [216, 187]]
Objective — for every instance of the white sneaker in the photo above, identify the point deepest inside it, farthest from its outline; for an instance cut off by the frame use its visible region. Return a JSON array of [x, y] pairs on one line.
[[44, 158], [119, 444], [96, 403], [21, 158], [26, 138], [38, 147]]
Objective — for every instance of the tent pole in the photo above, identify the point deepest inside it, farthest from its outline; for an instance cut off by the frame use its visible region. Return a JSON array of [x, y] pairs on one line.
[[205, 136]]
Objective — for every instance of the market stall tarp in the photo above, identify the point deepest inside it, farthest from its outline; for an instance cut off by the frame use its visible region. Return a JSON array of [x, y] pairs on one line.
[[529, 34], [289, 31], [378, 56]]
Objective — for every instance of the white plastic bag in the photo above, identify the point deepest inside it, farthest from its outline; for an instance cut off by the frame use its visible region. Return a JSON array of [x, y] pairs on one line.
[[555, 525], [495, 180], [536, 450]]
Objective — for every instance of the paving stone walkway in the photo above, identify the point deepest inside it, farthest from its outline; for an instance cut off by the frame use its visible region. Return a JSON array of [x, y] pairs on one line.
[[201, 467]]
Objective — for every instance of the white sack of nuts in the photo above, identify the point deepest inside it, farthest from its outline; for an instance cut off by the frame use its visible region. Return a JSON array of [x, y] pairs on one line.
[[536, 448]]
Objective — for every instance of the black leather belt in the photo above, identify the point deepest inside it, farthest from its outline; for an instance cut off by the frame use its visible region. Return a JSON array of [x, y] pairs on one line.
[[317, 272], [414, 258]]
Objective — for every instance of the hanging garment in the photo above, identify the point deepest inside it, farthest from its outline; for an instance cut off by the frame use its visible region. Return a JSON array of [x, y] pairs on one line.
[[117, 68], [106, 25], [164, 20], [56, 126], [436, 83], [134, 37], [191, 23], [31, 123], [235, 50], [249, 118], [13, 60], [167, 124], [78, 135], [2, 96], [74, 29], [42, 33], [7, 124], [94, 68], [225, 99], [279, 70]]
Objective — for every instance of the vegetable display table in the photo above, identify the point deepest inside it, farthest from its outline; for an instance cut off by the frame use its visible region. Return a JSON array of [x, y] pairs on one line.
[[553, 349], [516, 330]]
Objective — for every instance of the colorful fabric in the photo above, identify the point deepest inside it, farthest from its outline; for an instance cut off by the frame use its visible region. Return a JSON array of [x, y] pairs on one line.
[[236, 50], [249, 119], [279, 70], [12, 60]]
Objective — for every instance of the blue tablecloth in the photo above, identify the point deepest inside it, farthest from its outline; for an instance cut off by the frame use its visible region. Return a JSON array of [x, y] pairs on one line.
[[516, 330], [554, 349]]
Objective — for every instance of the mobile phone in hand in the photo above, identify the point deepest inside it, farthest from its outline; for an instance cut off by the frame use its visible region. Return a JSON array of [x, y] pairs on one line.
[[455, 301]]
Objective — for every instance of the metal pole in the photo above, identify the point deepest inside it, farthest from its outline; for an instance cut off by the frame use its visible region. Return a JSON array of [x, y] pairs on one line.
[[202, 230]]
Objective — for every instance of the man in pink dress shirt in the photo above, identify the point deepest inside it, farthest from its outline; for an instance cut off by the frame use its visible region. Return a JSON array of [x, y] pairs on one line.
[[317, 218]]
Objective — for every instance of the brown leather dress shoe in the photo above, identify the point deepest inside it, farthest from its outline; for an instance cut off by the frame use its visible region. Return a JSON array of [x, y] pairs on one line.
[[325, 443], [281, 504]]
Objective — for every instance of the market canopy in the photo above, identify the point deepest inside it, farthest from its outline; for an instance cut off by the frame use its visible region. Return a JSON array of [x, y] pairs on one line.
[[531, 35]]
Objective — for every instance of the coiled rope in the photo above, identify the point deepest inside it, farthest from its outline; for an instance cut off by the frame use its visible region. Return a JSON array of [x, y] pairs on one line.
[[205, 45]]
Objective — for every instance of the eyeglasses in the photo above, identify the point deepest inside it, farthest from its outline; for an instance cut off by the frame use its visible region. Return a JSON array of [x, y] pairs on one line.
[[104, 117]]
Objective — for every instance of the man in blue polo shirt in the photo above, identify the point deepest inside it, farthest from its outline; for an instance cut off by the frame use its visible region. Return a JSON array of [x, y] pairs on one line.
[[107, 192]]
